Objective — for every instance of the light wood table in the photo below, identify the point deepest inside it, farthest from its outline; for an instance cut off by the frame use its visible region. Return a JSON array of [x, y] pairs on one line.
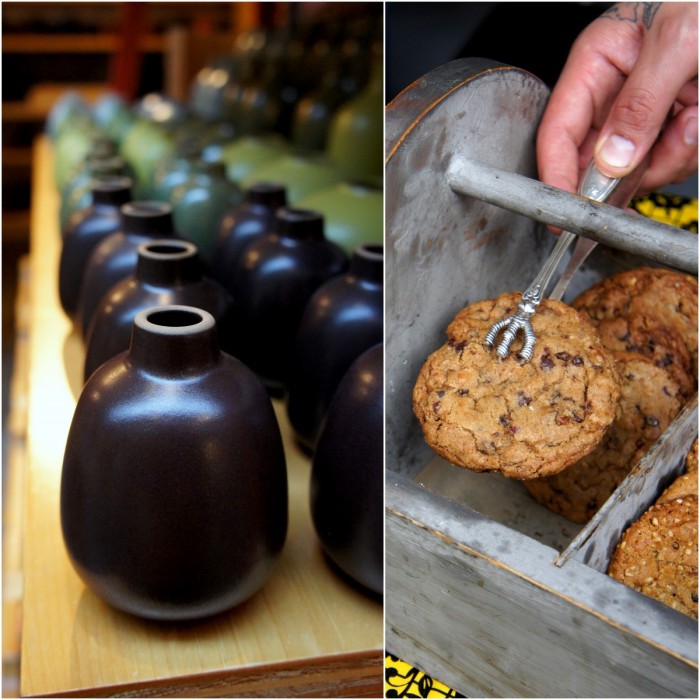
[[308, 632]]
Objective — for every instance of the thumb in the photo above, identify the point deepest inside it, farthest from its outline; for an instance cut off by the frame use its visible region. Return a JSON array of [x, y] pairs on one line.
[[640, 109]]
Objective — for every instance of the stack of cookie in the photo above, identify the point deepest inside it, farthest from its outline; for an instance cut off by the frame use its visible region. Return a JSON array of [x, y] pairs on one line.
[[647, 319], [520, 419], [658, 554]]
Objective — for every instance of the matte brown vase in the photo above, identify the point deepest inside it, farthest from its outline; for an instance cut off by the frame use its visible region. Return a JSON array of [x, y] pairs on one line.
[[85, 230], [167, 272], [114, 258], [342, 319], [174, 489], [347, 478], [254, 218], [272, 283]]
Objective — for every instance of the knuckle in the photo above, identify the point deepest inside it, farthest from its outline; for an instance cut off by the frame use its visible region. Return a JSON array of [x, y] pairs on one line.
[[634, 110]]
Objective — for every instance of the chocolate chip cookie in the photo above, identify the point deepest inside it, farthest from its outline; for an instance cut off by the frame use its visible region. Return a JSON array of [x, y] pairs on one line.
[[653, 311], [658, 555], [523, 420], [649, 401]]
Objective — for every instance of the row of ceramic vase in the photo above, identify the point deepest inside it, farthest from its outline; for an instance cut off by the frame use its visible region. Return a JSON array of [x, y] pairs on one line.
[[174, 486]]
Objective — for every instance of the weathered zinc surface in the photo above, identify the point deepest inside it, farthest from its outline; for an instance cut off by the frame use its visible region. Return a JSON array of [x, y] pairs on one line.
[[472, 599]]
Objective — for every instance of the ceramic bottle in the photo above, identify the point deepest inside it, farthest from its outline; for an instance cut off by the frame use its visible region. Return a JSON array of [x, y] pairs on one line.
[[347, 476], [272, 282], [255, 217], [201, 202], [114, 258], [168, 272], [85, 230], [342, 319], [356, 133], [173, 493], [353, 212], [77, 194]]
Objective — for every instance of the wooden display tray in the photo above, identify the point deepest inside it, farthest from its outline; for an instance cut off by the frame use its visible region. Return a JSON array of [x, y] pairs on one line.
[[308, 632]]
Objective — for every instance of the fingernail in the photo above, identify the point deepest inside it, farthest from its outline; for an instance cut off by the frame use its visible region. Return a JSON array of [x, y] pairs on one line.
[[690, 133], [617, 151]]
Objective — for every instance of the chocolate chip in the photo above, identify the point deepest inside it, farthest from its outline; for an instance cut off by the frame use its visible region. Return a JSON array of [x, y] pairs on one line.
[[653, 422], [457, 347], [577, 361], [462, 392], [436, 407], [523, 400], [577, 418], [441, 393], [546, 362], [694, 597], [675, 545], [503, 420], [564, 357], [665, 361]]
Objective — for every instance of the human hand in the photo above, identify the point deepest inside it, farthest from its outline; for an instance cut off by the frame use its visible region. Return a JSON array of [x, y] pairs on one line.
[[627, 72]]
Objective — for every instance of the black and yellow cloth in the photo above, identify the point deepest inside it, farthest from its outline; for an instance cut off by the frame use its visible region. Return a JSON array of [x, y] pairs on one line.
[[401, 679]]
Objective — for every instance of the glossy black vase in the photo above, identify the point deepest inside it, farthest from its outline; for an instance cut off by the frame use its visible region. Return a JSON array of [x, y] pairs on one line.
[[84, 232], [347, 477], [174, 487], [167, 272], [272, 283], [255, 217], [114, 258], [343, 318]]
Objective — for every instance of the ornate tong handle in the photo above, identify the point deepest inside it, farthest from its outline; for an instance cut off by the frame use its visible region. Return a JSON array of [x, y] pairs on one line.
[[594, 185]]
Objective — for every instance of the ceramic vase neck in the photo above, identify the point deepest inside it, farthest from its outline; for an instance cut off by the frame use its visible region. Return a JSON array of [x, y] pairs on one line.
[[164, 263], [113, 191], [174, 341], [300, 224], [367, 263], [269, 195], [147, 218]]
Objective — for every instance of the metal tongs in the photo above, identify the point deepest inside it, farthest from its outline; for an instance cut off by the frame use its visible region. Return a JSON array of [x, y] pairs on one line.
[[597, 187]]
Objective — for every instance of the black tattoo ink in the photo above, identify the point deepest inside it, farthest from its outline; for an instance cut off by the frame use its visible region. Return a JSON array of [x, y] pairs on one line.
[[642, 13]]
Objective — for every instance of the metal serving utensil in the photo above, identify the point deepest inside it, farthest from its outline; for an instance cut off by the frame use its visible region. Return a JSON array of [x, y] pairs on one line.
[[595, 186]]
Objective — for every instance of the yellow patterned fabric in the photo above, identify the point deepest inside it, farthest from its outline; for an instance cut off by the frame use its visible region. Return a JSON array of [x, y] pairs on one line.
[[670, 209], [402, 680]]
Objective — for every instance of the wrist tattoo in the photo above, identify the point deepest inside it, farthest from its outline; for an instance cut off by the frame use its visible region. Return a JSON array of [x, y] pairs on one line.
[[641, 13]]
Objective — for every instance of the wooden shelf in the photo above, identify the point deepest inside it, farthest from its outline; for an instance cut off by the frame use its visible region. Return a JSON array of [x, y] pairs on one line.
[[75, 43], [307, 633]]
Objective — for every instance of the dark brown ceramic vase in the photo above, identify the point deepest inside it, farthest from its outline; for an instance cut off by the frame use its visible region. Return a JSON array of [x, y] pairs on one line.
[[114, 258], [343, 318], [85, 230], [167, 272], [255, 217], [272, 283], [174, 487], [347, 478]]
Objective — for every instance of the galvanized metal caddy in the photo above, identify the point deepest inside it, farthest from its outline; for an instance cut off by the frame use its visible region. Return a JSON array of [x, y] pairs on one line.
[[491, 593]]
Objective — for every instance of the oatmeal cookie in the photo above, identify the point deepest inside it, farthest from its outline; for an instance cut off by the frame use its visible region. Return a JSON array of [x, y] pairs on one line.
[[649, 401], [658, 555], [686, 484], [653, 311], [521, 419]]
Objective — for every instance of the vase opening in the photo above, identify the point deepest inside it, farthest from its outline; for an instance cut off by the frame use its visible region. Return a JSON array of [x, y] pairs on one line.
[[169, 250], [177, 318], [371, 251], [146, 208]]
